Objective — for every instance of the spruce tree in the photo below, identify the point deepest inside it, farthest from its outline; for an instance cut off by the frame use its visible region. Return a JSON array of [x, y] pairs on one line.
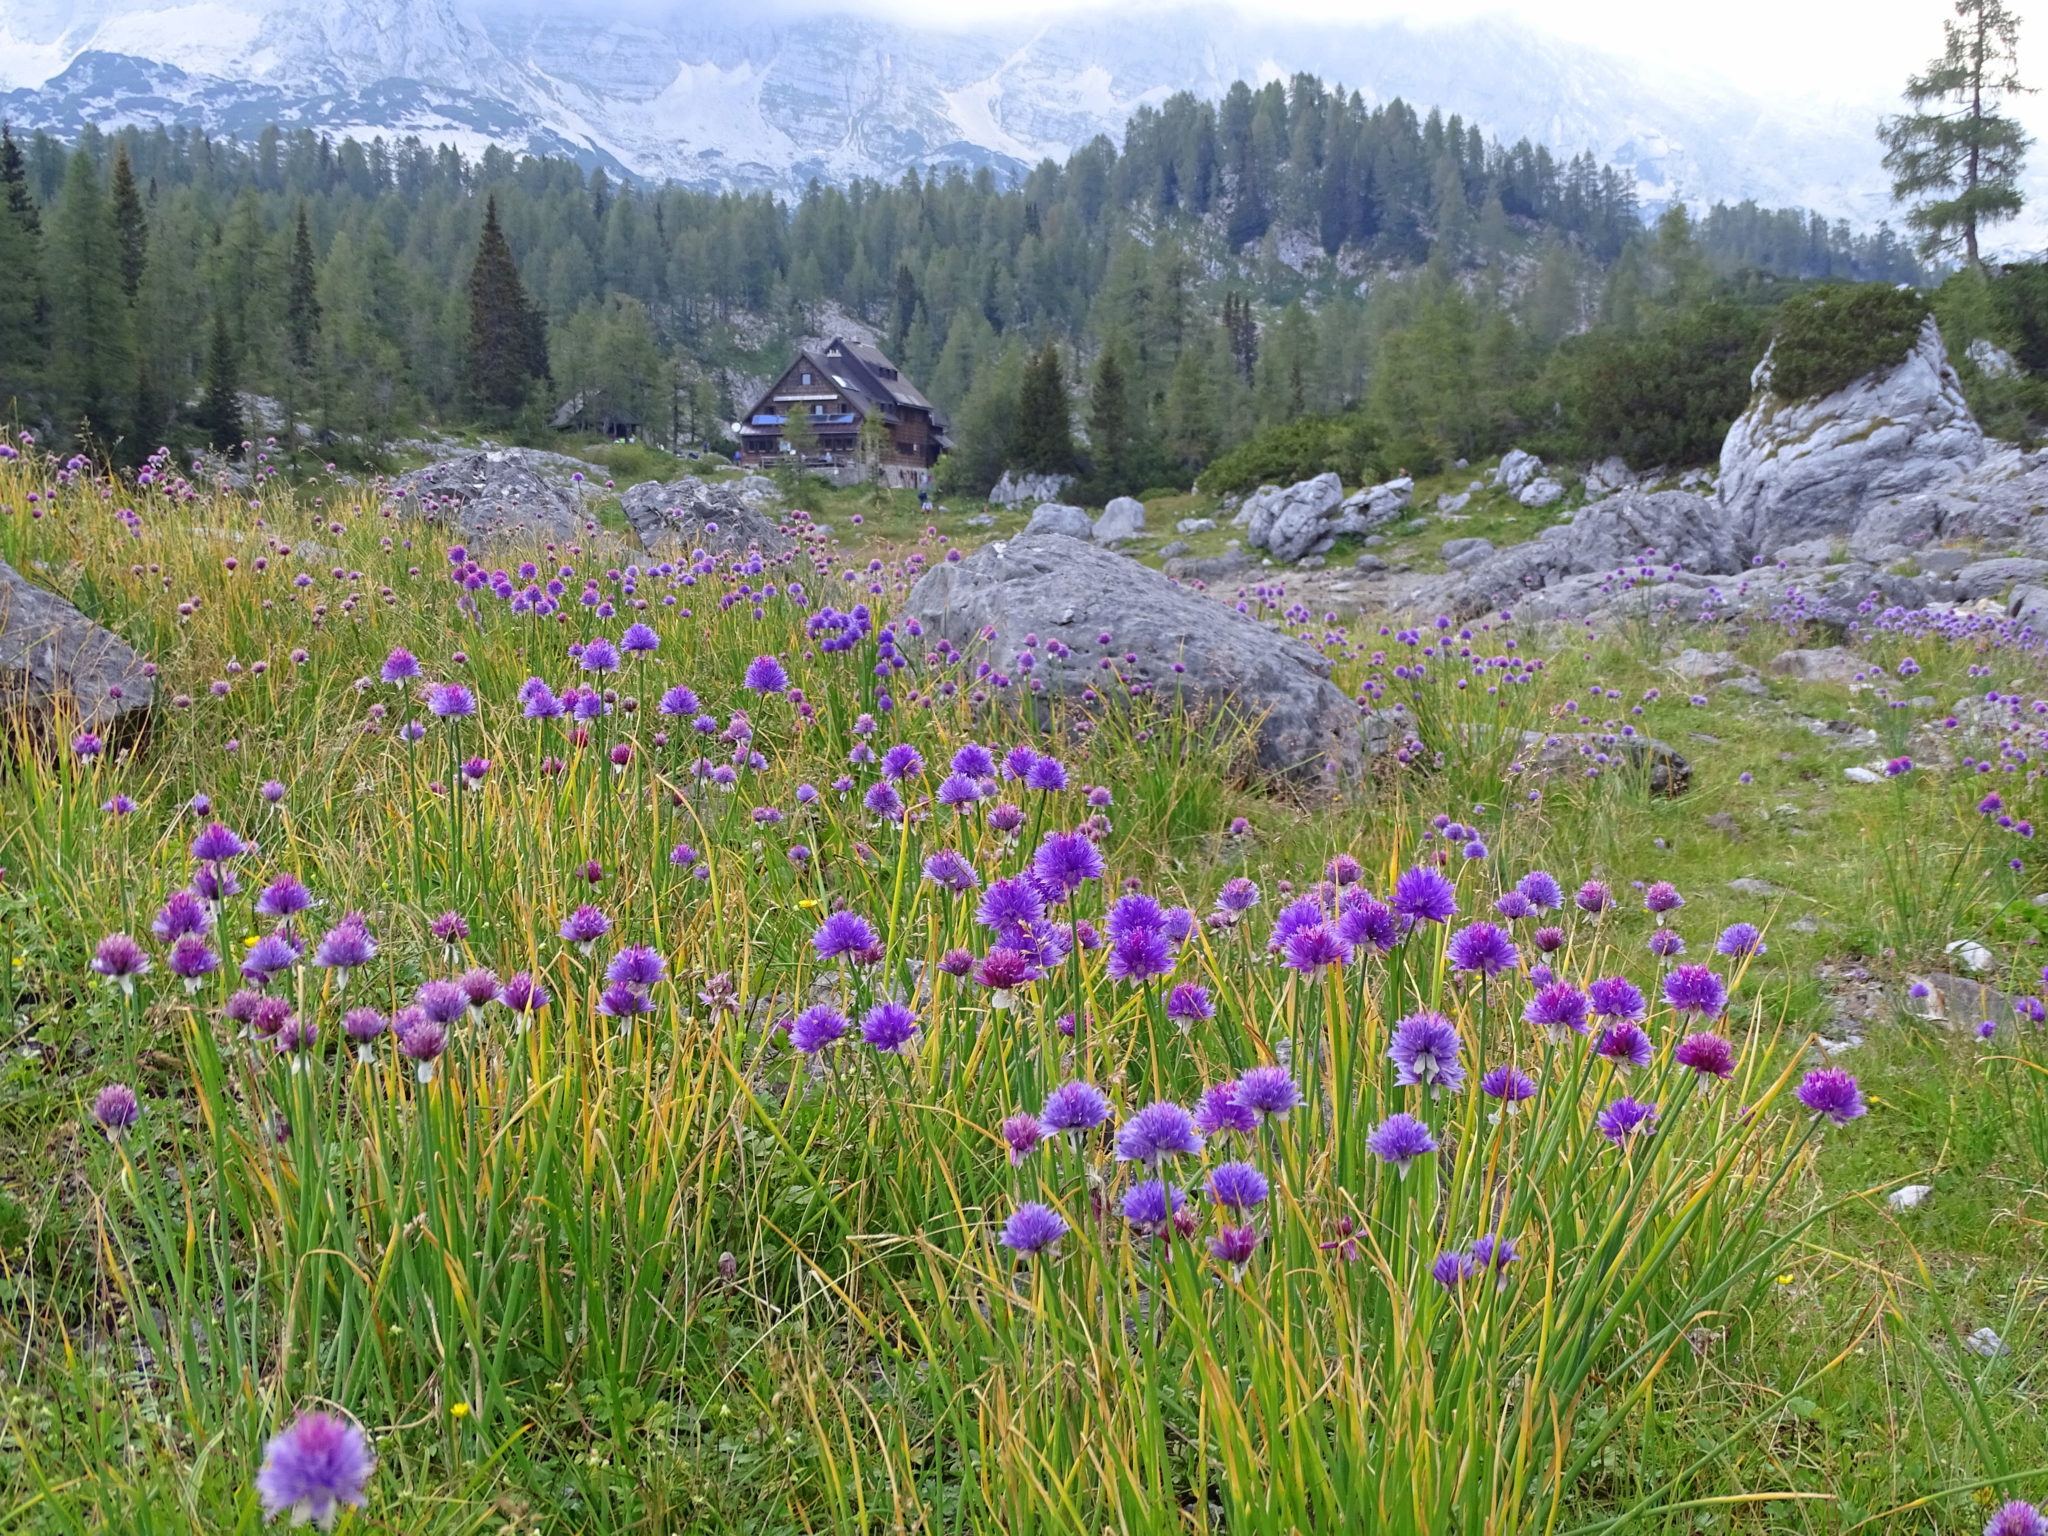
[[1956, 155], [220, 408], [92, 347], [302, 298], [1109, 425], [507, 334], [21, 292], [131, 225], [1044, 442]]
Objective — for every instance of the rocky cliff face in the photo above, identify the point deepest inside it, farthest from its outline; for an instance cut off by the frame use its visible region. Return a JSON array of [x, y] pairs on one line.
[[1795, 471]]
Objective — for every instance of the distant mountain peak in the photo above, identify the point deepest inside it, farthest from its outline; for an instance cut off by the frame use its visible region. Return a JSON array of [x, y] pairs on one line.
[[750, 99]]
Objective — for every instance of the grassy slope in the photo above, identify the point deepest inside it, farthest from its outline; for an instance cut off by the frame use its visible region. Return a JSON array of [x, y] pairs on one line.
[[1847, 1382]]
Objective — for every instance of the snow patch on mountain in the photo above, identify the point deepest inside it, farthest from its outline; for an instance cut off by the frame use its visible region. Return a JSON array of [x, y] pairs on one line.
[[720, 95]]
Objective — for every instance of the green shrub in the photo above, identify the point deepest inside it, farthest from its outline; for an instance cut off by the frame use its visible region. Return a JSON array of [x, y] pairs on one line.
[[2021, 291], [1294, 450], [1835, 334], [1665, 396]]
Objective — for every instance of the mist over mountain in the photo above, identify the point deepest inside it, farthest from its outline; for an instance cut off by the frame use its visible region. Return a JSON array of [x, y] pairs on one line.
[[732, 97]]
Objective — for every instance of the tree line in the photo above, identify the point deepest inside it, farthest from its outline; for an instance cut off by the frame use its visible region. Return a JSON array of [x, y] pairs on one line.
[[1286, 251]]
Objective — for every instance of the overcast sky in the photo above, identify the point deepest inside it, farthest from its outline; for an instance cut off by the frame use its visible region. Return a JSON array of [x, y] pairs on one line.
[[1854, 50]]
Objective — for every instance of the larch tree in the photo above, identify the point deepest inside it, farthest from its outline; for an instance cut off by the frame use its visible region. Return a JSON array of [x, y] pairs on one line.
[[302, 298], [1044, 442], [131, 225], [220, 407], [1955, 156]]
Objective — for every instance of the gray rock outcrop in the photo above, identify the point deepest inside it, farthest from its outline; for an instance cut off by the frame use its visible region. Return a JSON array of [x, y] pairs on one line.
[[1015, 488], [1057, 517], [721, 516], [1061, 589], [1123, 518], [1375, 506], [1599, 539], [1289, 522], [493, 496], [1516, 470], [1799, 470], [59, 669], [1540, 492]]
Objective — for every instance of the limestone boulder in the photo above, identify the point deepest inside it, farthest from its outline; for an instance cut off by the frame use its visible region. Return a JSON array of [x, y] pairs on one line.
[[59, 670], [1219, 663]]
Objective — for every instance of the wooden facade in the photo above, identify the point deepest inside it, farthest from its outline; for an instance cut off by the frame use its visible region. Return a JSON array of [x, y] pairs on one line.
[[835, 389]]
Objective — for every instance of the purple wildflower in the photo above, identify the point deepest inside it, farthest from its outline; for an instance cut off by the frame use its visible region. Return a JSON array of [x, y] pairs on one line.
[[1662, 897], [1594, 897], [120, 959], [2017, 1518], [817, 1028], [1616, 997], [585, 926], [1423, 895], [1189, 1003], [1218, 1112], [1832, 1092], [1400, 1139], [283, 897], [1237, 1186], [442, 1002], [1313, 948], [1157, 1131], [1625, 1118], [1234, 1246], [1541, 889], [1425, 1048], [1364, 920], [1452, 1269], [1558, 1007], [1022, 1133], [191, 958], [1707, 1054], [182, 913], [1032, 1228], [1625, 1044], [520, 993], [450, 701], [1511, 1085], [117, 1109], [766, 674], [889, 1028], [313, 1469], [1268, 1092], [1482, 949], [1151, 1204], [1740, 939], [1140, 955], [1063, 861], [216, 843], [1074, 1108], [1695, 989], [400, 667], [622, 1000]]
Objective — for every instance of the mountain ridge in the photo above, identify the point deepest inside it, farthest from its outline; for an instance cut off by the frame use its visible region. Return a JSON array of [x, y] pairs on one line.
[[718, 101]]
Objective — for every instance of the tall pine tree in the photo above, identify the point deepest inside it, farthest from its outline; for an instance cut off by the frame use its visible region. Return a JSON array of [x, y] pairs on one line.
[[302, 298], [220, 408], [1044, 442], [21, 292], [1955, 155], [1109, 426], [507, 334], [131, 225], [92, 347]]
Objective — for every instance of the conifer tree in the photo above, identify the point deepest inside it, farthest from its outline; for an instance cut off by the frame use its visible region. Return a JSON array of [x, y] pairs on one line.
[[92, 346], [302, 298], [1109, 425], [1955, 151], [21, 291], [507, 334], [220, 408], [131, 225], [1044, 442]]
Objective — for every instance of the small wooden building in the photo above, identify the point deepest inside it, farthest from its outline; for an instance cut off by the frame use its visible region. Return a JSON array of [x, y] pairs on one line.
[[835, 389]]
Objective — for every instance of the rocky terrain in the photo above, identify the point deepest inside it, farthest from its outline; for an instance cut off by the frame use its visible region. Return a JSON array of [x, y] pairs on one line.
[[1884, 494]]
